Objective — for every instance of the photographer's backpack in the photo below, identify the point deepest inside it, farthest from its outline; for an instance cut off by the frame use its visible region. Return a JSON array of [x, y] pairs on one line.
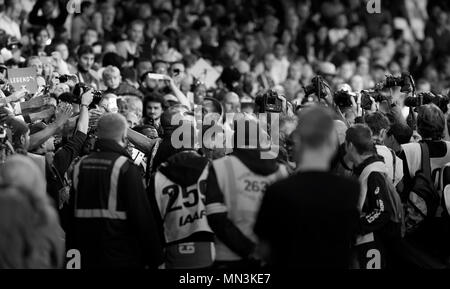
[[423, 199], [422, 244]]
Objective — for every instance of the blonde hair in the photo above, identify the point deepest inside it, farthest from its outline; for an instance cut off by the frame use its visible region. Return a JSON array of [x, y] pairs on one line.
[[109, 71]]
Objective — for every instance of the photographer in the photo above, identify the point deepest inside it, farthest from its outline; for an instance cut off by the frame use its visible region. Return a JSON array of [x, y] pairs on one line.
[[379, 125], [374, 204], [428, 232], [58, 162], [345, 105]]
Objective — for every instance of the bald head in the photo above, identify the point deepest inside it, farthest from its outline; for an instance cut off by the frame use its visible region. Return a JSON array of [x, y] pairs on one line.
[[112, 126], [315, 127], [231, 102], [21, 171]]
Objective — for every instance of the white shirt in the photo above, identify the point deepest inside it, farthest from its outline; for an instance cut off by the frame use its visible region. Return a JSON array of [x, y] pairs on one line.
[[10, 26], [279, 70]]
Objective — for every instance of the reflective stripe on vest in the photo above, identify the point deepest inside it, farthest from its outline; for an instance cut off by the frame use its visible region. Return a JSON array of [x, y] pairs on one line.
[[111, 212]]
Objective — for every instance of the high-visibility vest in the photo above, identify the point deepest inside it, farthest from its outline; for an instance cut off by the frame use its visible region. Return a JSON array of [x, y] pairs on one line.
[[182, 209], [243, 191], [111, 211]]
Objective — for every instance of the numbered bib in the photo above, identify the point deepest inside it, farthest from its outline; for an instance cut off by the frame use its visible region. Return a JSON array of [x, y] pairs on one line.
[[182, 209]]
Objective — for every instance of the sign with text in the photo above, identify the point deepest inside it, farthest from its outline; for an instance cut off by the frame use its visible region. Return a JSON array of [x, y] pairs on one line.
[[23, 77], [203, 71]]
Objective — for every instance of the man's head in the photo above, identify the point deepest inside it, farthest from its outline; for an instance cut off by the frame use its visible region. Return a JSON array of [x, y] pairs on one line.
[[131, 103], [231, 103], [250, 42], [153, 26], [175, 116], [136, 31], [160, 67], [378, 124], [20, 134], [295, 71], [22, 172], [13, 9], [162, 45], [143, 66], [90, 36], [87, 8], [269, 59], [112, 126], [315, 133], [35, 61], [86, 57], [270, 26], [430, 122], [397, 135], [109, 14], [42, 37], [359, 143], [62, 48], [423, 85], [61, 88], [154, 107], [279, 50], [132, 119], [109, 103], [111, 77], [48, 7]]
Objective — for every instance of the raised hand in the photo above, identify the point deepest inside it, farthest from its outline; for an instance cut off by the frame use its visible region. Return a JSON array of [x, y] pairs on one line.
[[63, 113]]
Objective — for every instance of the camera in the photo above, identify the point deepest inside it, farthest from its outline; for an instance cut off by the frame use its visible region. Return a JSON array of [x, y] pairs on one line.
[[405, 81], [366, 101], [421, 99], [343, 98], [269, 102], [428, 97], [79, 90], [318, 86]]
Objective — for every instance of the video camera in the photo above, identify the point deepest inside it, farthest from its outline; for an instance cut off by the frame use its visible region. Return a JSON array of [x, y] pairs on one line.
[[317, 86], [269, 101]]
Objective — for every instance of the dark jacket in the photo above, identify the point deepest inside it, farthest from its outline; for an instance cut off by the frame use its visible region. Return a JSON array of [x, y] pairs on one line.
[[128, 241], [57, 167], [376, 206]]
